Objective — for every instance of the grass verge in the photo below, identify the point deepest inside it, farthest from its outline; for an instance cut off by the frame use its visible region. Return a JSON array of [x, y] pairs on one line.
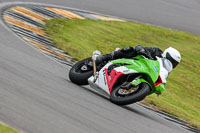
[[6, 129], [181, 98]]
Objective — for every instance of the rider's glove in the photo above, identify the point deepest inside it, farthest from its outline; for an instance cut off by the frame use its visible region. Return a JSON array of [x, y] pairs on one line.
[[141, 51]]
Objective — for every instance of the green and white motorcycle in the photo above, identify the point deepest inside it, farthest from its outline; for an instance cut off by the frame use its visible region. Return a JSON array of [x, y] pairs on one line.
[[126, 81]]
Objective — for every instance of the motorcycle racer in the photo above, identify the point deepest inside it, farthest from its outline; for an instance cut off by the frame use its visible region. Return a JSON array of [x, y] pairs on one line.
[[127, 75], [170, 57]]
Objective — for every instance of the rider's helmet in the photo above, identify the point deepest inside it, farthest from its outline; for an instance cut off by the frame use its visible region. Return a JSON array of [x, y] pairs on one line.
[[172, 55]]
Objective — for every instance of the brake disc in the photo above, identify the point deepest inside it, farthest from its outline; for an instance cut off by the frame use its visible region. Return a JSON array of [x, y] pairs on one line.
[[129, 91]]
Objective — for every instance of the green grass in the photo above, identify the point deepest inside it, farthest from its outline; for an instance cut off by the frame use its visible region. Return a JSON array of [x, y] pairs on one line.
[[5, 129], [79, 38]]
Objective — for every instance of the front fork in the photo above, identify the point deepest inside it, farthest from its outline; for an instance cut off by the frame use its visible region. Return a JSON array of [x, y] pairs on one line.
[[128, 85]]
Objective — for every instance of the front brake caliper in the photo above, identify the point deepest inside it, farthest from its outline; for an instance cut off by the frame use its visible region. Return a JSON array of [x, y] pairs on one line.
[[136, 82]]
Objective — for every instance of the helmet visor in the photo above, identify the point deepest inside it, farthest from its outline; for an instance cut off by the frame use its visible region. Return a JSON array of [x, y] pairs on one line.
[[172, 60]]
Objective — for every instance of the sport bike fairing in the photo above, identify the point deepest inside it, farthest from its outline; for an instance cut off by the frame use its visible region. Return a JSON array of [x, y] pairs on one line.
[[153, 69]]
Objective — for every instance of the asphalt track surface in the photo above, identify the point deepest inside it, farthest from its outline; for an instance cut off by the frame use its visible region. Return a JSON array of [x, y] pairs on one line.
[[176, 14], [37, 97]]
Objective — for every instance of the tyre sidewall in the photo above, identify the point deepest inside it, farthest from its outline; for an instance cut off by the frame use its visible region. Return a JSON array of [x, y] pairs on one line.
[[140, 95], [80, 78]]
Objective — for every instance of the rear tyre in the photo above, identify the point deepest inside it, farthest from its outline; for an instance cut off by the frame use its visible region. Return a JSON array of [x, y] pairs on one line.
[[139, 95], [77, 75]]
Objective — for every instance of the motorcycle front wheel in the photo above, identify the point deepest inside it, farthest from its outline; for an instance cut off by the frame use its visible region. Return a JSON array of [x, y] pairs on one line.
[[80, 72], [123, 98]]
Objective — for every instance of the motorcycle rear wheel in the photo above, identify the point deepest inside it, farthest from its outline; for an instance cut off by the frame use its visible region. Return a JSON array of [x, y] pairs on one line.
[[139, 95], [79, 77]]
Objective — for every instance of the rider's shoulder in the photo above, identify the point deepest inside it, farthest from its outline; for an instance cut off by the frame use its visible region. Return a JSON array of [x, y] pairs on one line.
[[166, 64]]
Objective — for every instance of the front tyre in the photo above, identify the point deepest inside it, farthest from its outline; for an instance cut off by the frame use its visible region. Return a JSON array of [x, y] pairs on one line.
[[80, 72], [119, 99]]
